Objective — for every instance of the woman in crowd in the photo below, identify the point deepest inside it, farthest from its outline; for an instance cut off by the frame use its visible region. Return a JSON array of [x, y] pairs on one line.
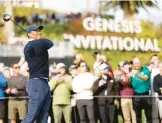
[[82, 85]]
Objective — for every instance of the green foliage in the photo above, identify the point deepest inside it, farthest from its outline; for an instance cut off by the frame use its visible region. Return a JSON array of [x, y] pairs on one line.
[[131, 6], [22, 11], [148, 30], [115, 56]]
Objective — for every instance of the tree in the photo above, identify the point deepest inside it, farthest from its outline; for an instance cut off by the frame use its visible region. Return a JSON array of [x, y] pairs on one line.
[[130, 7], [9, 26]]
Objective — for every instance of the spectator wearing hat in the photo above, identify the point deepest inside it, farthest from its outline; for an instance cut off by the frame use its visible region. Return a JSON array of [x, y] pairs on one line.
[[3, 85], [82, 85], [104, 86], [126, 92], [140, 79], [104, 60], [61, 85], [73, 70], [98, 61]]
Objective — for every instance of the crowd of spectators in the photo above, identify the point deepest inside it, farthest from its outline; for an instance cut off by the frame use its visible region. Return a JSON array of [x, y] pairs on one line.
[[51, 18], [82, 95]]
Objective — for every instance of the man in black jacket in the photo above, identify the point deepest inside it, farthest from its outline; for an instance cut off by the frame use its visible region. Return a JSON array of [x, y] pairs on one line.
[[105, 86], [157, 86]]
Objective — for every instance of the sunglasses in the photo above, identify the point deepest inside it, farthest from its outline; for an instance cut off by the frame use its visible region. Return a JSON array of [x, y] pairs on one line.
[[107, 68]]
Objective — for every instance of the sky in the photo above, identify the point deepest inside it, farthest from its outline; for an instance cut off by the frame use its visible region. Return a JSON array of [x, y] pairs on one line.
[[67, 6], [70, 5]]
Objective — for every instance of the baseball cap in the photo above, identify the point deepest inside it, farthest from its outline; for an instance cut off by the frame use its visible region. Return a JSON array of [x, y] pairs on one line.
[[33, 28], [60, 65], [126, 63], [96, 52], [104, 66], [72, 67], [122, 63]]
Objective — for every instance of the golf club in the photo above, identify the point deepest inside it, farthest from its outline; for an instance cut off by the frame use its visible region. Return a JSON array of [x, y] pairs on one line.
[[7, 17]]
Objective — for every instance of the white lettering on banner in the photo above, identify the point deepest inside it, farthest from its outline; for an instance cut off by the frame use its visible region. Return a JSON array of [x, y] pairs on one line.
[[157, 49], [85, 41], [139, 44], [108, 25], [117, 27], [149, 45], [74, 40], [99, 41], [106, 44], [98, 24], [114, 43], [120, 43], [128, 44], [92, 43], [103, 25], [88, 24], [137, 25]]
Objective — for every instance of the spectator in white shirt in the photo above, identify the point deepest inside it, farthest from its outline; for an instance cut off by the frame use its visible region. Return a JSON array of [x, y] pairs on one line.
[[82, 85]]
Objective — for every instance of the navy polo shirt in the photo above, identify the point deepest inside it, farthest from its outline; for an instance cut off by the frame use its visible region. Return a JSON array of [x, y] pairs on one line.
[[36, 55]]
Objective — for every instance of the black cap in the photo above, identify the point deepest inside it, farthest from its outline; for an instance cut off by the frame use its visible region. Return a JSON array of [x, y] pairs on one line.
[[122, 63], [126, 63], [33, 28], [97, 52]]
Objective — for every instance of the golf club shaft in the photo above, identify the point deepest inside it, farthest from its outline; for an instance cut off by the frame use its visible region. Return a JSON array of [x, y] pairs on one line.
[[18, 25]]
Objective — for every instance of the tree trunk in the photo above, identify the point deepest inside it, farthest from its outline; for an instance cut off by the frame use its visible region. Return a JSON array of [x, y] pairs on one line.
[[9, 26], [128, 15]]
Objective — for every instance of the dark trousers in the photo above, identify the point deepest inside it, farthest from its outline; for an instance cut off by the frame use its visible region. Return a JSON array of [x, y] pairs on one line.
[[140, 103], [86, 107], [108, 113], [75, 115], [50, 112], [103, 115], [39, 101], [96, 110]]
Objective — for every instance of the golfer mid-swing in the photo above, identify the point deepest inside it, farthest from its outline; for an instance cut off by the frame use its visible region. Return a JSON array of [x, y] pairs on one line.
[[36, 55]]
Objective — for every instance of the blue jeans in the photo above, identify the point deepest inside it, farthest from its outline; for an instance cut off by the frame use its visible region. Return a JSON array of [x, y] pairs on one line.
[[39, 101]]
